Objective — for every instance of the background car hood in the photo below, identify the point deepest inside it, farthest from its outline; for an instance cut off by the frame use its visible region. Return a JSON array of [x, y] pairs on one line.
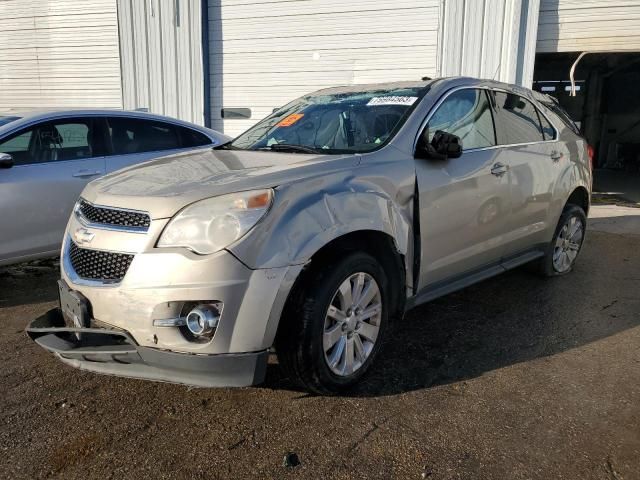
[[165, 185]]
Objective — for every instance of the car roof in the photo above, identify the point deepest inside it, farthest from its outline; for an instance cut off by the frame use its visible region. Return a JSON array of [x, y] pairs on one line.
[[364, 87], [453, 82], [29, 117], [442, 82]]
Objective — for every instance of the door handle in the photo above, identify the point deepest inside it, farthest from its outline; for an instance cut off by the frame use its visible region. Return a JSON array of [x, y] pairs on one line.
[[499, 169], [86, 173], [555, 155]]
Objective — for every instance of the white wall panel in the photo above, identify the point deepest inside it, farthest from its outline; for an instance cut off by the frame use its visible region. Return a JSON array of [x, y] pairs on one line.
[[59, 54], [162, 63], [589, 25], [265, 53], [492, 39]]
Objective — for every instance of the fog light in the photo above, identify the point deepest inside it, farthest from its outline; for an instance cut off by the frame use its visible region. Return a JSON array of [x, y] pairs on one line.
[[203, 320]]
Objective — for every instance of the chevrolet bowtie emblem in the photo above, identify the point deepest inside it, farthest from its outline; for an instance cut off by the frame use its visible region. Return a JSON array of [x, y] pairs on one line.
[[83, 236]]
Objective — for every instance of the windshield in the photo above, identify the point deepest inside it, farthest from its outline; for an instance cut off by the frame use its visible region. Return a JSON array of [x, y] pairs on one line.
[[351, 122], [5, 120]]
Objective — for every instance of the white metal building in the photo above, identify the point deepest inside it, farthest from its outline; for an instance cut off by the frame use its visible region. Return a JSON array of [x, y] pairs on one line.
[[228, 63]]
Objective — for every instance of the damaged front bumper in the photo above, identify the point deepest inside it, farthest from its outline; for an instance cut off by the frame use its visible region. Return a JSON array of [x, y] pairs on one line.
[[115, 352]]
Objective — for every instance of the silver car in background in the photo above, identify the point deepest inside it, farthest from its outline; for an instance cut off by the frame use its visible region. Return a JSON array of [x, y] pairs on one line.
[[314, 229], [47, 158]]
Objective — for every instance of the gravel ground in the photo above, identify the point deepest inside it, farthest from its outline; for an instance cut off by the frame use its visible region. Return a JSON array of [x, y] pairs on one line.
[[516, 377]]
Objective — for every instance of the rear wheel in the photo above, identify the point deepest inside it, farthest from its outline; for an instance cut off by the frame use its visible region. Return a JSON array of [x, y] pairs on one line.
[[567, 242], [334, 324]]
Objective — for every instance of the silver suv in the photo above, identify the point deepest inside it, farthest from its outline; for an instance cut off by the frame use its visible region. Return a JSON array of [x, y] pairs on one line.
[[314, 229]]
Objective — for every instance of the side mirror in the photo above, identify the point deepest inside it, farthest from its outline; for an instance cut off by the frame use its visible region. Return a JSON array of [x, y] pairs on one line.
[[442, 147], [6, 160]]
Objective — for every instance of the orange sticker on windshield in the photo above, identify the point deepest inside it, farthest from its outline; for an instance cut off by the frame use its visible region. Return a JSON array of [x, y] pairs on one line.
[[289, 120]]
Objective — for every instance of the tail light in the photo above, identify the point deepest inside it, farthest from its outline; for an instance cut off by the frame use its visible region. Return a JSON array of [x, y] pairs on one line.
[[591, 154]]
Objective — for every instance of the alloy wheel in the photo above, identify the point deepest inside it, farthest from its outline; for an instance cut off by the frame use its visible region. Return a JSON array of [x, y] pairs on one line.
[[352, 324], [568, 244]]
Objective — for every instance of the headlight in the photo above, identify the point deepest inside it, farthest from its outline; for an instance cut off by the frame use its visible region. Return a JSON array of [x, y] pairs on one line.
[[213, 224]]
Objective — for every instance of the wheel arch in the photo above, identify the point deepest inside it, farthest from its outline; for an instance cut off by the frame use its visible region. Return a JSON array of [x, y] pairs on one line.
[[580, 197], [379, 245]]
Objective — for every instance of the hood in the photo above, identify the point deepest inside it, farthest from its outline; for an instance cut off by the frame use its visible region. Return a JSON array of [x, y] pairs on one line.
[[165, 185]]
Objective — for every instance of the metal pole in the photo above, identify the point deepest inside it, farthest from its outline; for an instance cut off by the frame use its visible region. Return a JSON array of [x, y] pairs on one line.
[[572, 73]]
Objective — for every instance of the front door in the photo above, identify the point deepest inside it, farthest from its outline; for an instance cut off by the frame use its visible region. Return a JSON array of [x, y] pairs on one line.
[[464, 202], [53, 161]]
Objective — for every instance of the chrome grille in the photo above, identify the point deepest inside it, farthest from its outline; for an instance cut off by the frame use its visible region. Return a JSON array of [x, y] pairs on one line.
[[99, 265], [113, 216]]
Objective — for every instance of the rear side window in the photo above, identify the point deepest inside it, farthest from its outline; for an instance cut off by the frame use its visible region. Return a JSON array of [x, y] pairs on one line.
[[467, 114], [547, 129], [193, 138], [135, 135], [519, 122]]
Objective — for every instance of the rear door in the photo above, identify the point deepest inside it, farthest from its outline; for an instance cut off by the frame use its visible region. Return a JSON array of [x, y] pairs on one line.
[[53, 161], [464, 202], [135, 140], [535, 160]]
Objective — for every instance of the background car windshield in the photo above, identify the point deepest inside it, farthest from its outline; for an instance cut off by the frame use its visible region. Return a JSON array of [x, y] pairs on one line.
[[4, 120], [343, 122]]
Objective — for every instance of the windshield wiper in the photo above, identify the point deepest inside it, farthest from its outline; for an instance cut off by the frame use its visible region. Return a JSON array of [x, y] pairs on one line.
[[290, 147]]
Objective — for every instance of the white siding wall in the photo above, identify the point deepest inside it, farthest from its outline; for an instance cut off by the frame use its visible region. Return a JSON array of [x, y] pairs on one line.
[[265, 53], [492, 39], [61, 53], [161, 50], [589, 25]]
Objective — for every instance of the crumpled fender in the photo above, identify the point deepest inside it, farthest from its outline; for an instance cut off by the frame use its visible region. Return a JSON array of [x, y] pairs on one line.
[[309, 214]]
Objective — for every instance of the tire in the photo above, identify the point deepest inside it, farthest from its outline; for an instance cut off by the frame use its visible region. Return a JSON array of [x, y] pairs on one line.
[[308, 327], [549, 267]]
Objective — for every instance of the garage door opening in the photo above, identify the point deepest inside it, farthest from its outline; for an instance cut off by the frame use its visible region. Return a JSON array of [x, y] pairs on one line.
[[606, 107]]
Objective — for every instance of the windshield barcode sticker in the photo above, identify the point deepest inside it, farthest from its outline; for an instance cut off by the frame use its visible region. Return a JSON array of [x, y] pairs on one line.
[[392, 100]]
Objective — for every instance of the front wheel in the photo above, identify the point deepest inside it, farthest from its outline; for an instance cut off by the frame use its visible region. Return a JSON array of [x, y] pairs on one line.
[[334, 324], [567, 242]]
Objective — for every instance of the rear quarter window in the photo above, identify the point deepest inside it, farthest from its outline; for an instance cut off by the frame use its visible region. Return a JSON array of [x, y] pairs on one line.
[[563, 115], [547, 129], [192, 138]]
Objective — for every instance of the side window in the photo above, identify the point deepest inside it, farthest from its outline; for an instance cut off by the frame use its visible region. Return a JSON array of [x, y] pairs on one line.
[[547, 129], [563, 115], [18, 147], [135, 135], [467, 114], [69, 139], [519, 121], [192, 138], [72, 139]]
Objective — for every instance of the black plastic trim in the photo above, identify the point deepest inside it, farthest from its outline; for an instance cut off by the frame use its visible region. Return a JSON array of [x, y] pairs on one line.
[[115, 352]]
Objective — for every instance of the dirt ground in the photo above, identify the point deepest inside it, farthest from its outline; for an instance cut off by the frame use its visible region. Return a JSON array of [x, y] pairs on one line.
[[516, 377]]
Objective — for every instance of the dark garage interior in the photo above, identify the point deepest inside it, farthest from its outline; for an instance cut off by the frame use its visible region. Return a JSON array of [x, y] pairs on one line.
[[606, 106]]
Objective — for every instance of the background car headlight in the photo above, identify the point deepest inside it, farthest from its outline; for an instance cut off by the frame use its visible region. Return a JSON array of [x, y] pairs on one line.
[[213, 224]]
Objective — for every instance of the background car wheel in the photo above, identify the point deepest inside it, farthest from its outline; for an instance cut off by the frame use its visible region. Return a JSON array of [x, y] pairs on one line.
[[334, 324], [567, 241]]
